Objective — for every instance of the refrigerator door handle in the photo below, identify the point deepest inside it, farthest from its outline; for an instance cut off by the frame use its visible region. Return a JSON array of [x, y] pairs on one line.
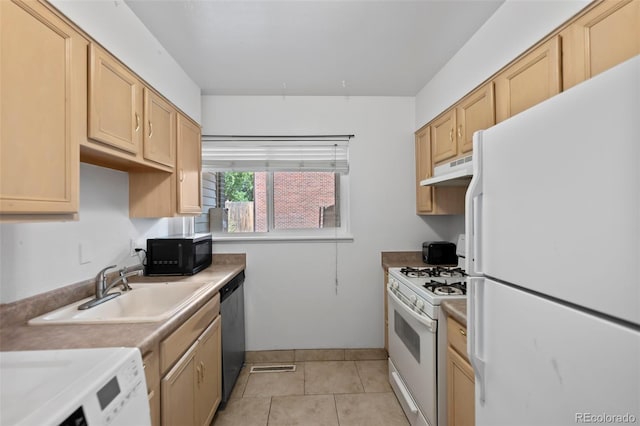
[[475, 301], [473, 213]]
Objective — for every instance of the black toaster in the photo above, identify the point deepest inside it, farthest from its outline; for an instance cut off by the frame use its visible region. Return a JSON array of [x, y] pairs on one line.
[[439, 253]]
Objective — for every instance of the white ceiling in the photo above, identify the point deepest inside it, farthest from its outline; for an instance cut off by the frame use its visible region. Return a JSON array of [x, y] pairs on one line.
[[313, 47]]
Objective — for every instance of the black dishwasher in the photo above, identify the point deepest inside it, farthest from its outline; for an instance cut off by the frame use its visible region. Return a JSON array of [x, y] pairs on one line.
[[233, 345]]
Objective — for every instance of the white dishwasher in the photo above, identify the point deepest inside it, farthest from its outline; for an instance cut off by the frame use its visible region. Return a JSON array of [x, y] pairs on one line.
[[104, 386]]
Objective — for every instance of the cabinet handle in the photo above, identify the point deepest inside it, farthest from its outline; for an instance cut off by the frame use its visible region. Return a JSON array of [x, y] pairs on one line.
[[203, 369], [137, 122], [462, 331], [451, 135], [460, 131], [198, 371], [181, 175], [150, 129]]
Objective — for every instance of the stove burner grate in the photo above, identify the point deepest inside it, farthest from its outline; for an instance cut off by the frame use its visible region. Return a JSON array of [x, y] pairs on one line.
[[443, 289], [414, 272], [434, 271]]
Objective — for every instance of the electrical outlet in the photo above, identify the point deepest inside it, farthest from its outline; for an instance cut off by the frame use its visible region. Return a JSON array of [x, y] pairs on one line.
[[84, 253], [132, 247]]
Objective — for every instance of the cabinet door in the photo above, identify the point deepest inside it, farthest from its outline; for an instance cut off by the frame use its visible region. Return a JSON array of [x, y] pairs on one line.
[[189, 168], [443, 141], [460, 390], [154, 406], [209, 370], [43, 68], [160, 130], [475, 112], [151, 365], [605, 36], [529, 81], [115, 102], [178, 392], [424, 199]]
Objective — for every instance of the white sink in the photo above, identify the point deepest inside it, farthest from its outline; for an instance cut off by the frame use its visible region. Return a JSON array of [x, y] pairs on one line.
[[148, 302]]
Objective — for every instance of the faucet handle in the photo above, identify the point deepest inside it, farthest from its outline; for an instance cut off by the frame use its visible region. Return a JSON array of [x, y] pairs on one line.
[[101, 274]]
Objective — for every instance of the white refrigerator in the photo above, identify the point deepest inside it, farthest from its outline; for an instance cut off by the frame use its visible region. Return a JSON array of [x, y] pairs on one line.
[[553, 253]]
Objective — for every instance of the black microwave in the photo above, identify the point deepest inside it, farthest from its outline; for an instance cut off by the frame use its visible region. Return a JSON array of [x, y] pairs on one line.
[[178, 254]]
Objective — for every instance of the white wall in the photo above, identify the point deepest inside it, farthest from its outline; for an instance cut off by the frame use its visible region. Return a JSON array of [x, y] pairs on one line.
[[516, 26], [291, 299], [39, 257], [114, 25]]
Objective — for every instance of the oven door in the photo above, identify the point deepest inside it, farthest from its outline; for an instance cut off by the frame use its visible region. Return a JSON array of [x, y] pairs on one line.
[[412, 350]]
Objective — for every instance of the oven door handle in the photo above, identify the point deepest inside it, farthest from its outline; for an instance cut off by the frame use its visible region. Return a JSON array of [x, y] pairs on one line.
[[431, 325]]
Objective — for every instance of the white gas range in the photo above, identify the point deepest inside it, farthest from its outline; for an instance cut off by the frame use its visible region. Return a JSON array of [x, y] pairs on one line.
[[417, 345]]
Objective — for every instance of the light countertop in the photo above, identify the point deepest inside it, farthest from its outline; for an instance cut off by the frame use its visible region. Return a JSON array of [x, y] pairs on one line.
[[456, 309]]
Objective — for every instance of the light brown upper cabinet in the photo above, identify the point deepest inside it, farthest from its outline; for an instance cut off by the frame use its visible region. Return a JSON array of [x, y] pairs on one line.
[[162, 194], [424, 201], [443, 138], [115, 102], [433, 201], [43, 78], [189, 166], [160, 133], [452, 131], [474, 112], [529, 81], [603, 37], [130, 126]]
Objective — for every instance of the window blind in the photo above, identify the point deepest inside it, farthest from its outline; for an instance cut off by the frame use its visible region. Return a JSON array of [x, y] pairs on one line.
[[276, 153]]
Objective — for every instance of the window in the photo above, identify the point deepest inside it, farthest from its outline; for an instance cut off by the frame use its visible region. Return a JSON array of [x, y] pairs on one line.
[[275, 187]]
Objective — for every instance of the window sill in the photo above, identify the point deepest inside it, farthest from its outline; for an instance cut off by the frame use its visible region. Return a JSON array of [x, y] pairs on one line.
[[225, 238]]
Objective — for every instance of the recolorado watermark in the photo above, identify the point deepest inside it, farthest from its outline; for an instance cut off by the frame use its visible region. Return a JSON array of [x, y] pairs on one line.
[[605, 418]]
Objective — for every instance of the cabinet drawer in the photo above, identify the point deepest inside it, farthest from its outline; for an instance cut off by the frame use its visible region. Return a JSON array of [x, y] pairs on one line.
[[179, 341], [457, 336]]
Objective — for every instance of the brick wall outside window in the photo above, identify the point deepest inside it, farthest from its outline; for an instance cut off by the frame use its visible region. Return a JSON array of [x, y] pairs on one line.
[[260, 201], [298, 197]]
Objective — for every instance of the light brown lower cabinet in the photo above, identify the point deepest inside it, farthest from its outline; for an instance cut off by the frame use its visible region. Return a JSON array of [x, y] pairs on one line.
[[460, 378], [192, 389], [184, 371], [209, 368], [154, 406], [179, 392], [151, 364]]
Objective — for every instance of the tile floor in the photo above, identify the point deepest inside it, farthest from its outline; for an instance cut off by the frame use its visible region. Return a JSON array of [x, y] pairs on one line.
[[322, 393]]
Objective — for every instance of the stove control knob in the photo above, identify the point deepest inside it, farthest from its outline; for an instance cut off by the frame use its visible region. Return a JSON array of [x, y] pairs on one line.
[[394, 285], [413, 299], [420, 304]]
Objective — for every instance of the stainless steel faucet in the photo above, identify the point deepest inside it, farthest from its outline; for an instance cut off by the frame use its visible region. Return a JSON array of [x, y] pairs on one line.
[[129, 271], [102, 287]]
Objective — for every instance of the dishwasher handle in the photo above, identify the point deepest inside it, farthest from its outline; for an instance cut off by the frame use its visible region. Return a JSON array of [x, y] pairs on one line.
[[229, 288]]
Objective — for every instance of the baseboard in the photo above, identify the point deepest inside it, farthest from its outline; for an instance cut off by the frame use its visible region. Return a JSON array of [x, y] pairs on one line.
[[303, 355]]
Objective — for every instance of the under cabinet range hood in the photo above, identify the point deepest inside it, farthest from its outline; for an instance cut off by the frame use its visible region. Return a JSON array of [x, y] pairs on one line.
[[457, 172]]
